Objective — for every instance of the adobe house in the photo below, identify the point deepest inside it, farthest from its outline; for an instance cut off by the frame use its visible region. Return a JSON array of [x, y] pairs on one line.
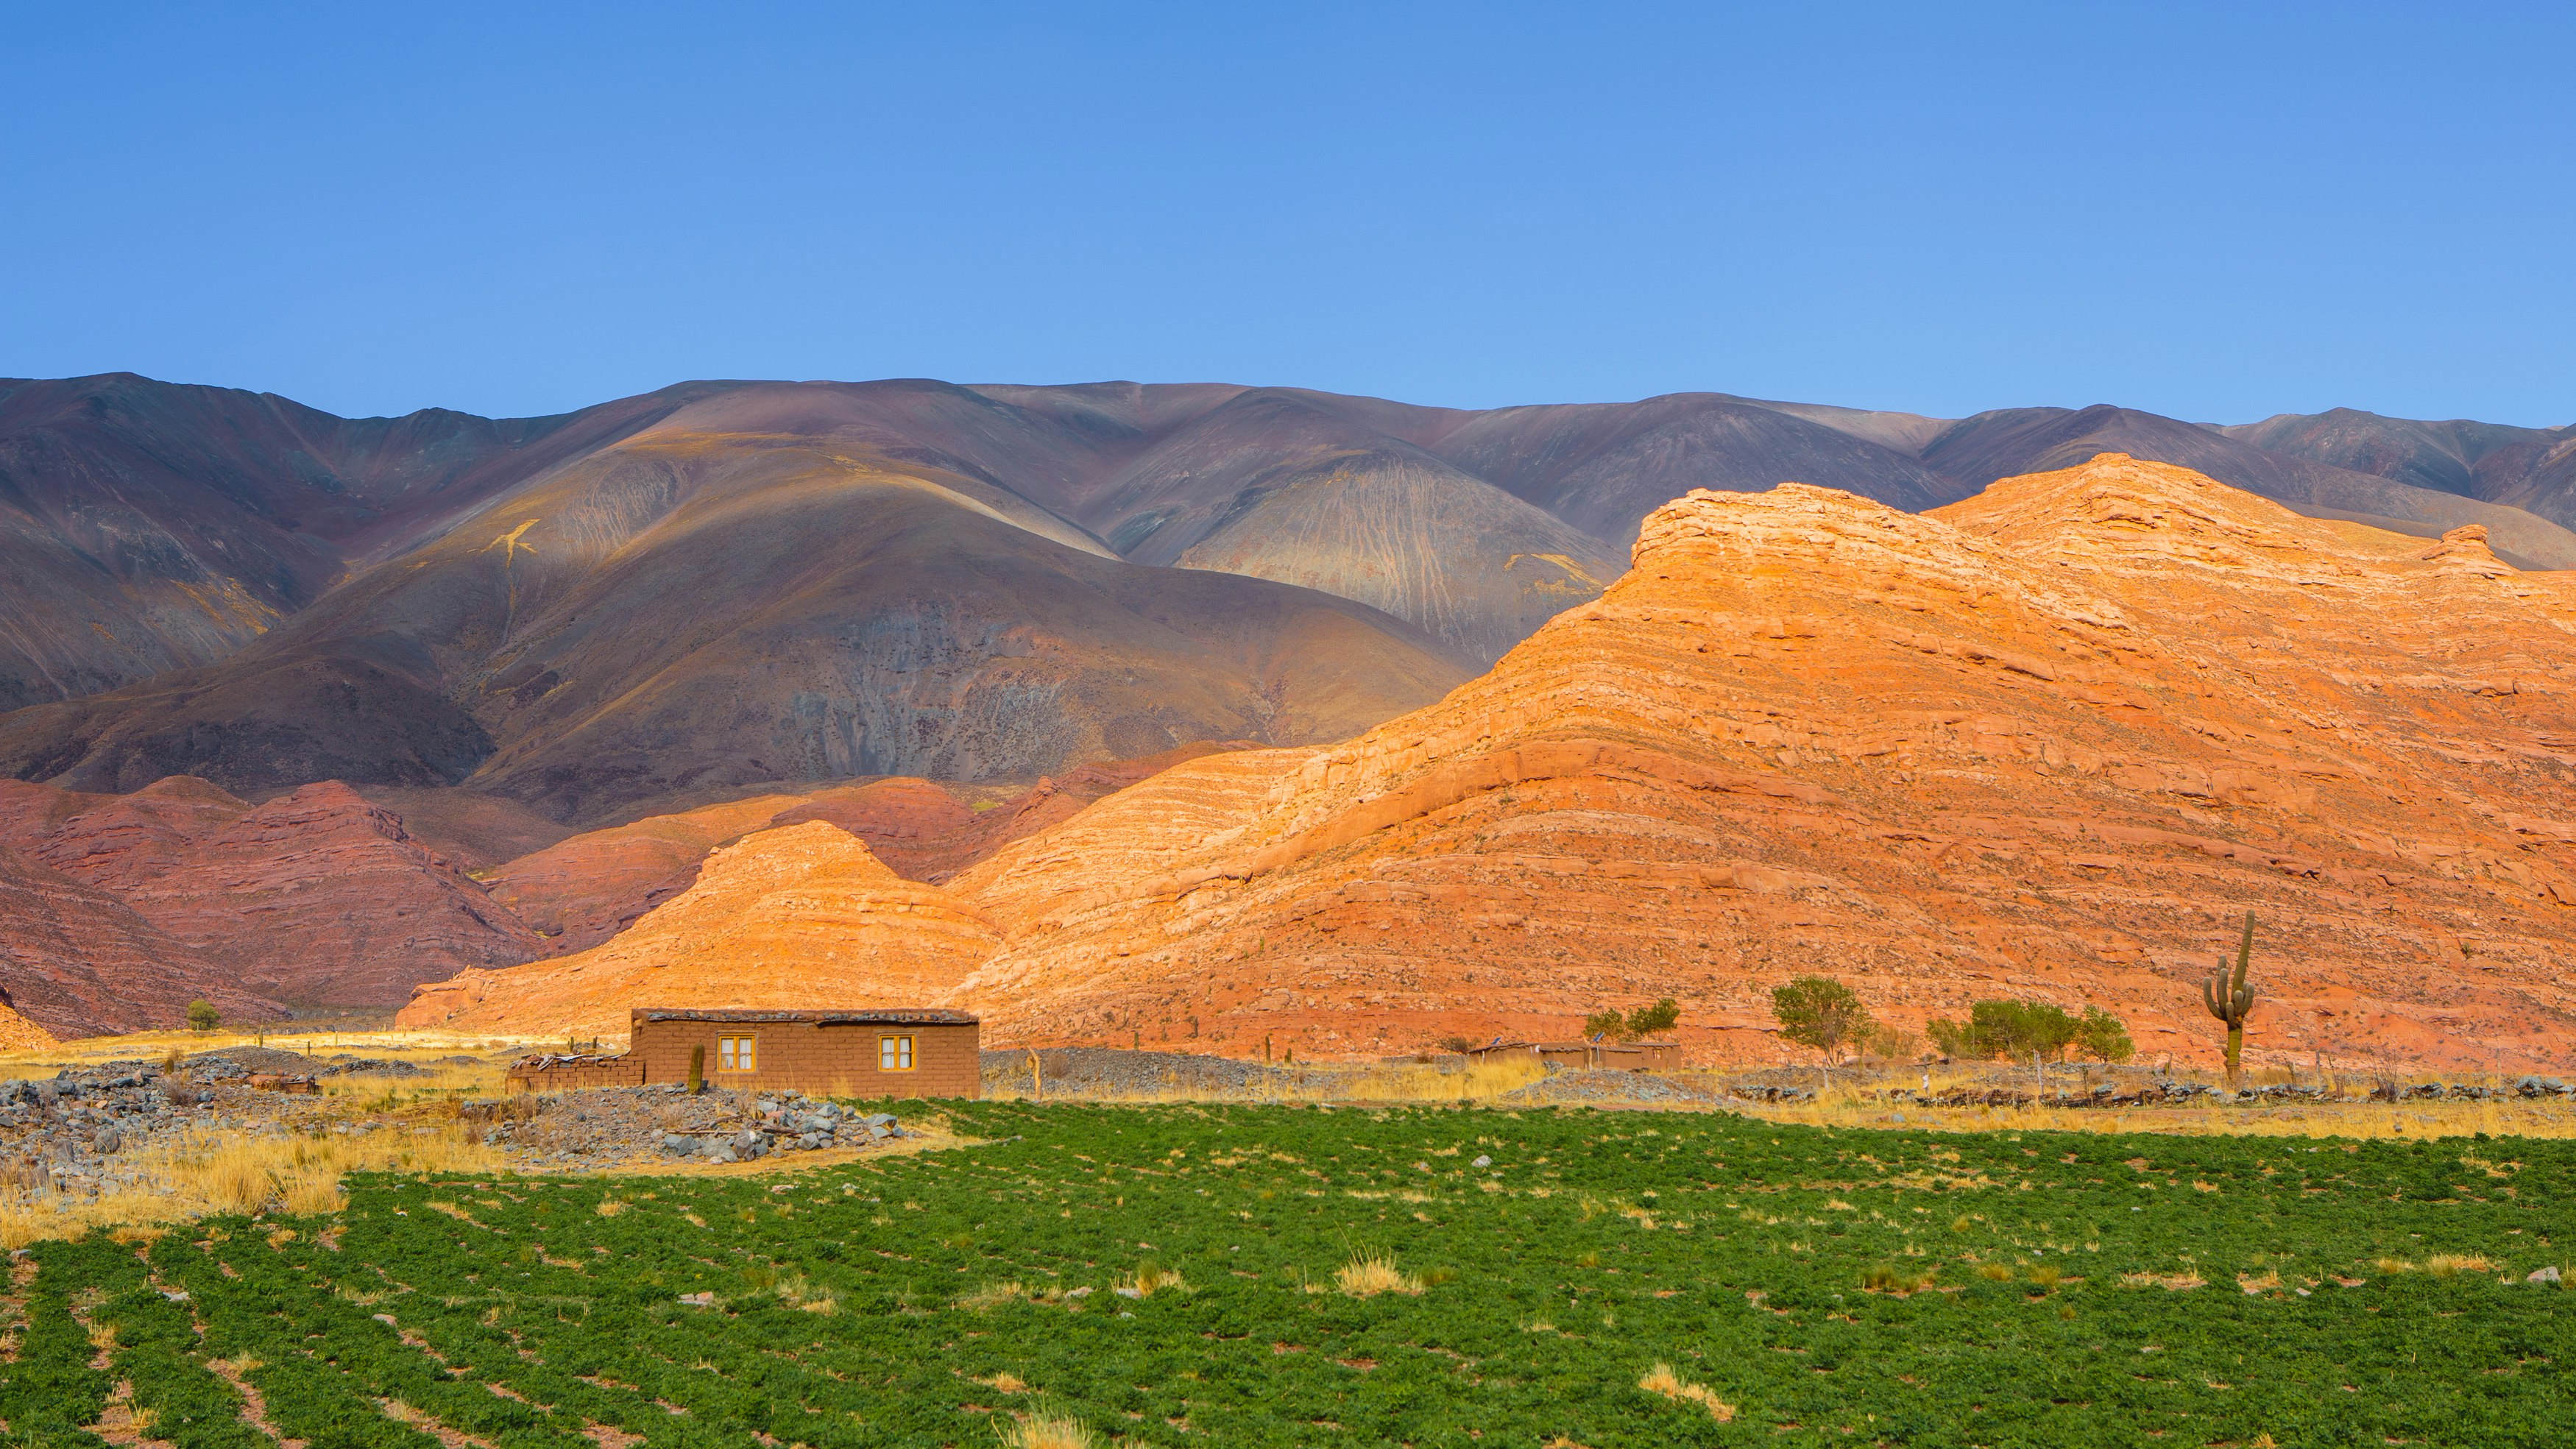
[[863, 1052], [1596, 1056]]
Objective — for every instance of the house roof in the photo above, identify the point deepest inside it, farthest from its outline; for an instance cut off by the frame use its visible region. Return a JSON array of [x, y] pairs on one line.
[[849, 1016]]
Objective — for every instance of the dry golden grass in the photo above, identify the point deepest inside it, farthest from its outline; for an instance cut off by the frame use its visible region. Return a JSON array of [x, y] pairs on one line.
[[991, 1296], [1048, 1429], [1418, 1083], [1370, 1274], [1662, 1380], [1848, 1104], [1888, 1278], [244, 1173], [157, 1046], [1005, 1382], [2443, 1265], [1149, 1280]]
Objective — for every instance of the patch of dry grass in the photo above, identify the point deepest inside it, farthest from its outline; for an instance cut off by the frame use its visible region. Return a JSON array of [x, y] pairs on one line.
[[1855, 1105], [1370, 1274], [1662, 1380], [1149, 1280], [240, 1173], [1481, 1082], [1048, 1429]]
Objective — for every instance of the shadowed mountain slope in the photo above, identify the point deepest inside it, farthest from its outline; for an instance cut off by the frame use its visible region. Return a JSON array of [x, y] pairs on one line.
[[314, 898], [2533, 469], [146, 526], [1995, 445], [691, 609]]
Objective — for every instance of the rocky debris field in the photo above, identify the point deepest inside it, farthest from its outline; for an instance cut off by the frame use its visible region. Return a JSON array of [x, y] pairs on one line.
[[236, 1062], [606, 1126], [83, 1132], [1113, 1072], [1573, 1086]]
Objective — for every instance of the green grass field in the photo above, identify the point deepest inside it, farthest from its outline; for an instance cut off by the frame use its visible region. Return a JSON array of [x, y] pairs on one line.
[[1815, 1286]]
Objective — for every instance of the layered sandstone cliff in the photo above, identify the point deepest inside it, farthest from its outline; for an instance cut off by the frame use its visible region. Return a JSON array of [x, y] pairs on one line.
[[800, 915], [2051, 741]]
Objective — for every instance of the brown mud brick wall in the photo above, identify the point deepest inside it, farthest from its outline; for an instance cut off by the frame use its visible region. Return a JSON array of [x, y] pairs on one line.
[[825, 1052]]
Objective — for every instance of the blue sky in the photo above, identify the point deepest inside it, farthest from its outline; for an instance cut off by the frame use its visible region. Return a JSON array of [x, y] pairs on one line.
[[2218, 213]]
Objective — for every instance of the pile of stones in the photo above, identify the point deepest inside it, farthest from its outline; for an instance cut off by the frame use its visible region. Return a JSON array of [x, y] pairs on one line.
[[603, 1125], [787, 1123], [72, 1132]]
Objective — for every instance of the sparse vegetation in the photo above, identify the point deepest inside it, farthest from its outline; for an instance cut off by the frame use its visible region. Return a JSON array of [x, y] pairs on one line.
[[1820, 1013], [2104, 1037], [202, 1016], [2035, 1287], [2230, 998]]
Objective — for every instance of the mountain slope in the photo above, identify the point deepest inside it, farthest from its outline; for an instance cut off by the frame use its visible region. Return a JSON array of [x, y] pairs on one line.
[[1978, 450], [2533, 469], [2050, 742], [315, 897], [786, 917], [659, 617], [146, 526]]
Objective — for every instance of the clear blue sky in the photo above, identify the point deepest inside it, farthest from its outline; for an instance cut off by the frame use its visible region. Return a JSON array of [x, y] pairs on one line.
[[2218, 213]]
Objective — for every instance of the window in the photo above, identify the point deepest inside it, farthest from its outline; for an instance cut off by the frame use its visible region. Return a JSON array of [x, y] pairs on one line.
[[736, 1053], [894, 1053]]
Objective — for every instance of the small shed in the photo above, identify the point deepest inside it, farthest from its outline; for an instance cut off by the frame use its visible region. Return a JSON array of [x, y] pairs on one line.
[[856, 1052], [1615, 1056]]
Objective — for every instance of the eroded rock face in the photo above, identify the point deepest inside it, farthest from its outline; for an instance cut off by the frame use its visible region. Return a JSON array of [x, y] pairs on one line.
[[76, 961], [801, 915], [314, 898], [2051, 741]]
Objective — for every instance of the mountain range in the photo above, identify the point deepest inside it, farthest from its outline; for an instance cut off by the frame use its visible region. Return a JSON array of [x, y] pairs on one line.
[[2050, 742], [529, 672]]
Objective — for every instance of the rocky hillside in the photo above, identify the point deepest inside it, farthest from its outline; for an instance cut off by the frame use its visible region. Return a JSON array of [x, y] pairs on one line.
[[2050, 741], [786, 917], [727, 585]]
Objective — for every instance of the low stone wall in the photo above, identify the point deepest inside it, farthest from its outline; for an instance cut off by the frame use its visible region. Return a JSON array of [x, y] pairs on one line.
[[573, 1073]]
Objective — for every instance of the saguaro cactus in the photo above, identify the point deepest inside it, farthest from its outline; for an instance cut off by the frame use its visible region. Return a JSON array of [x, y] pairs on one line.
[[2229, 999], [697, 1069]]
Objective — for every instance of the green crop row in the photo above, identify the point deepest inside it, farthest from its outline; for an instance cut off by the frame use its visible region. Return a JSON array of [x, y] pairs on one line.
[[1247, 1276]]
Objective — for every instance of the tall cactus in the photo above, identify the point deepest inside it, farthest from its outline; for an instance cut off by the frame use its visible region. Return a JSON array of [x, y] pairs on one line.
[[2229, 1000]]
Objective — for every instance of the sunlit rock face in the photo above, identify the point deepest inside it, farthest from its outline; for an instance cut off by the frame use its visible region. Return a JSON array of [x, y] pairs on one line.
[[2050, 741]]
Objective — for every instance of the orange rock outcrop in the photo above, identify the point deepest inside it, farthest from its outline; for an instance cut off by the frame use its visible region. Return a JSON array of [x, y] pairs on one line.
[[798, 915], [2051, 741]]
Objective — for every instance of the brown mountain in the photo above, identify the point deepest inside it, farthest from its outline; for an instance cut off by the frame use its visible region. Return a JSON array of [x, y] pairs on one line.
[[146, 526], [660, 617], [725, 586], [2533, 469]]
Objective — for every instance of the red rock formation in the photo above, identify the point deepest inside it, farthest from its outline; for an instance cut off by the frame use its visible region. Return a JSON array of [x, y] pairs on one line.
[[76, 961], [796, 916], [316, 898], [321, 898], [2051, 741]]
